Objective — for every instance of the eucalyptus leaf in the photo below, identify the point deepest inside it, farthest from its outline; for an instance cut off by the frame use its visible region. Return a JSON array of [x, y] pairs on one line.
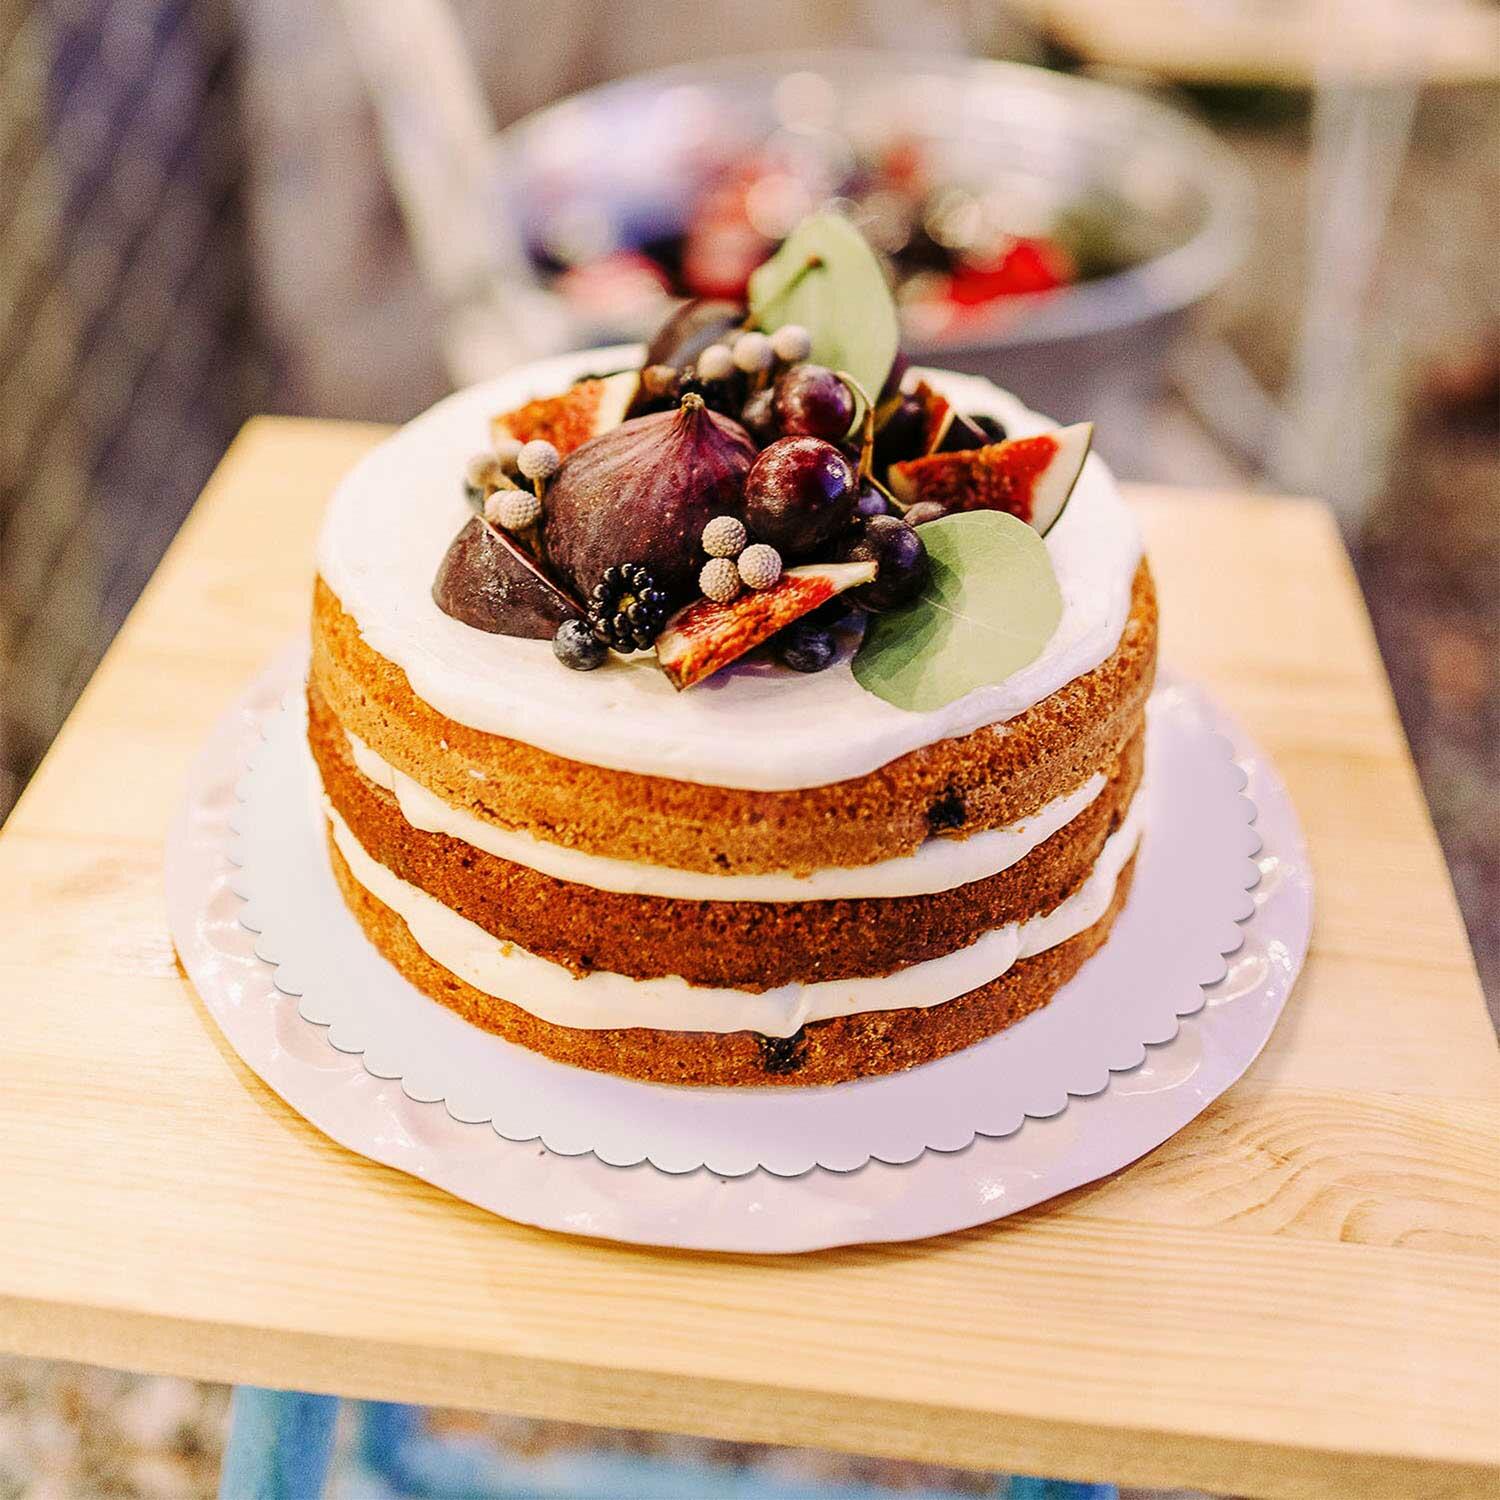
[[827, 278], [990, 606]]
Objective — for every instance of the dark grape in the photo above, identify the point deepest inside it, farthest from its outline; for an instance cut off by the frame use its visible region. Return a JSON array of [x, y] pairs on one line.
[[991, 427], [900, 559], [811, 401], [903, 434], [805, 647], [799, 492], [871, 502]]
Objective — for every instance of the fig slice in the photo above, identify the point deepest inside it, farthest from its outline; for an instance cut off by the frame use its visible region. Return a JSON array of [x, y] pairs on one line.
[[568, 421], [704, 636], [489, 581], [1030, 478]]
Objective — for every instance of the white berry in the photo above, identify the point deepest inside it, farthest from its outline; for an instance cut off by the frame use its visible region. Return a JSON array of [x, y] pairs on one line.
[[759, 566], [791, 343], [715, 363], [515, 510], [752, 353], [507, 451], [719, 580], [724, 537], [538, 459], [481, 471]]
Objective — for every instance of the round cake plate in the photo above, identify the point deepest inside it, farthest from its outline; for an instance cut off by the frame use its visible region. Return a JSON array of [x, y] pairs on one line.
[[760, 1212]]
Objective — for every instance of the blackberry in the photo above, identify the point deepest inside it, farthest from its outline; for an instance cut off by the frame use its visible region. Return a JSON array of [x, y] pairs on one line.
[[626, 609]]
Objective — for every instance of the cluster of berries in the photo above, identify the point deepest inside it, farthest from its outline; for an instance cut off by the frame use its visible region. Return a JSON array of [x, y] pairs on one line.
[[734, 561], [507, 483]]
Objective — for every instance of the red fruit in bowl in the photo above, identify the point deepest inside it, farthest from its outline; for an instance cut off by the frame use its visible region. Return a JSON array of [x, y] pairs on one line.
[[799, 493], [1026, 266]]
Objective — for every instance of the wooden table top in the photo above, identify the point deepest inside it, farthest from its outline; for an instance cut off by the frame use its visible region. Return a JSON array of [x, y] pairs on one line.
[[1298, 1295], [1292, 44]]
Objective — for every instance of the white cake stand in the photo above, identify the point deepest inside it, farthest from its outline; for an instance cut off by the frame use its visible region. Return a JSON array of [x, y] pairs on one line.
[[760, 1211]]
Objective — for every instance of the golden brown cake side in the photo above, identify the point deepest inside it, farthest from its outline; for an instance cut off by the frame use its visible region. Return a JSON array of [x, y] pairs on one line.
[[748, 945], [988, 779], [823, 1052]]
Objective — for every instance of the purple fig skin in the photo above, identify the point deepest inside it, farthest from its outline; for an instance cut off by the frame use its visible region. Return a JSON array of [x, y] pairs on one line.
[[485, 580], [643, 493], [692, 328]]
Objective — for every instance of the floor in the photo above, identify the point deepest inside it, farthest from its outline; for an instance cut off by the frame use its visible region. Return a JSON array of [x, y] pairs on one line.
[[1428, 558]]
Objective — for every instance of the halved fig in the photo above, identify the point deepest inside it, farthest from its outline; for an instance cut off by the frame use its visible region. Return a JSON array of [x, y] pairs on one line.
[[489, 581], [1029, 477], [704, 635], [584, 410]]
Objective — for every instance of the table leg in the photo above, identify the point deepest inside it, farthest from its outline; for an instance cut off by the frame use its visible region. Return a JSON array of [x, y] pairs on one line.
[[394, 1447], [279, 1445], [1022, 1488]]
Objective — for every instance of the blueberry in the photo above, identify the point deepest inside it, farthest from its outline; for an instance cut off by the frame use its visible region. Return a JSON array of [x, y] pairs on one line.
[[576, 646], [805, 648]]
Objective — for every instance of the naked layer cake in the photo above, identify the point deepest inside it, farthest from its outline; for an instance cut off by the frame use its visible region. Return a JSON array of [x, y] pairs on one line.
[[757, 711]]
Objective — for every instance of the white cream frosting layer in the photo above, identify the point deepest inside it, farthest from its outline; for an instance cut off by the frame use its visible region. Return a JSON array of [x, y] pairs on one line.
[[600, 999], [753, 726], [939, 865]]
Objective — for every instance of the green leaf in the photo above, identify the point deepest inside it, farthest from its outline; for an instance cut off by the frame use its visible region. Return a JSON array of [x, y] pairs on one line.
[[990, 605], [828, 279]]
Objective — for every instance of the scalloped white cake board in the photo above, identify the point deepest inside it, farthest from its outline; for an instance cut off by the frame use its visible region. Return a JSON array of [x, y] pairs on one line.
[[1151, 1030]]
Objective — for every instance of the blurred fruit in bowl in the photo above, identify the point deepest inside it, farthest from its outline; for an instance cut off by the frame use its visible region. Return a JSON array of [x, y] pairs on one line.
[[1048, 231]]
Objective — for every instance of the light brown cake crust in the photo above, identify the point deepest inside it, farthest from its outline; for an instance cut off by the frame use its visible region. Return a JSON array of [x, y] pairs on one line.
[[995, 776], [824, 1052], [748, 945]]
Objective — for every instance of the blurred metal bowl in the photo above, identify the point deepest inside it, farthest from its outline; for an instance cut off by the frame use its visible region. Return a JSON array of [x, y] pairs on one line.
[[626, 160]]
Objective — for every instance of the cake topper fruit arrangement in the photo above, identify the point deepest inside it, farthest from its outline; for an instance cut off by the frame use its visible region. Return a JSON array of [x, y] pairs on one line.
[[765, 477]]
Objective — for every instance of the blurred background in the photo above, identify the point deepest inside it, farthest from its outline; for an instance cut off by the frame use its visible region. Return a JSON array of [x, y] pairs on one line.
[[1255, 240]]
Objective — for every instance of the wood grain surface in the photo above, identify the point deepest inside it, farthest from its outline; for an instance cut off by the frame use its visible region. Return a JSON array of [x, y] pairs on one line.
[[1292, 44], [1298, 1295]]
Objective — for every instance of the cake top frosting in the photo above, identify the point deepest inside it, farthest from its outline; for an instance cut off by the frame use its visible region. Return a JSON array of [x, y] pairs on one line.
[[754, 724]]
